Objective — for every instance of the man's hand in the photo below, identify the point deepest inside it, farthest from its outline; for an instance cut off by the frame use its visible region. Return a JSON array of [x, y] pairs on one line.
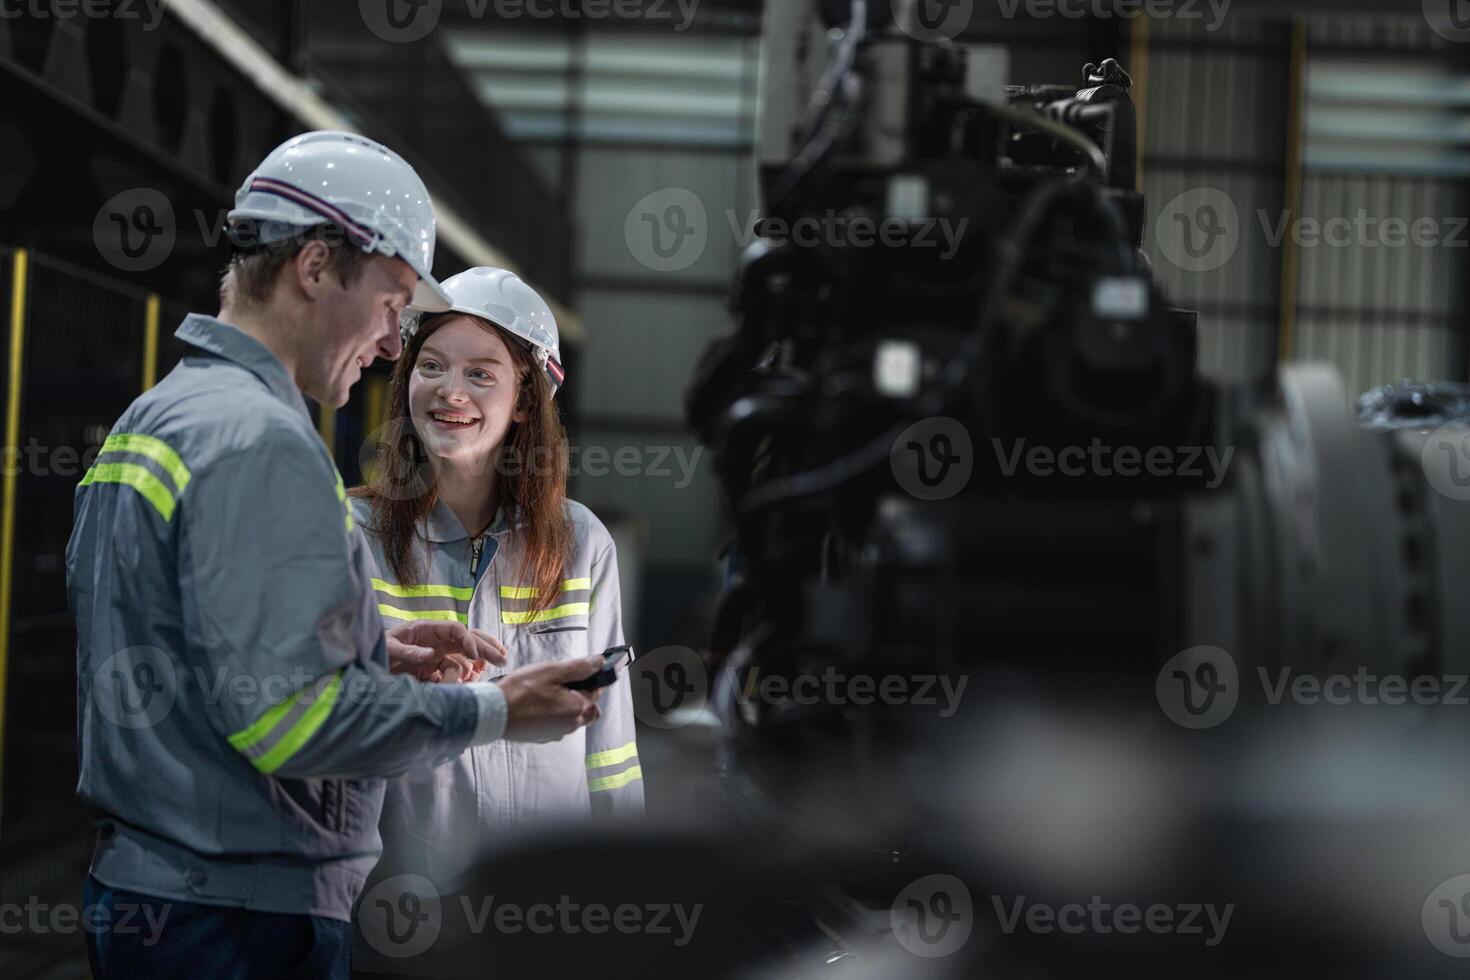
[[437, 652], [540, 709]]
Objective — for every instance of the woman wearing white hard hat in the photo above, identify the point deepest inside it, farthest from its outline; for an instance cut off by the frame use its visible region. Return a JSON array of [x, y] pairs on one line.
[[468, 519]]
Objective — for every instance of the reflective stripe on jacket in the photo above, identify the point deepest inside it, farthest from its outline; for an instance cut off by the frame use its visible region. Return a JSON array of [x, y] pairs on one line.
[[436, 819], [235, 711]]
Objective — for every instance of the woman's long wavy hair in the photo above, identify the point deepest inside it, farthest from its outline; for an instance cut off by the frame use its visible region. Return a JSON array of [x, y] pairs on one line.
[[530, 475]]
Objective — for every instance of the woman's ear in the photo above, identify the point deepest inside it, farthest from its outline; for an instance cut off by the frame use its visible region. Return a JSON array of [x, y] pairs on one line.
[[525, 391]]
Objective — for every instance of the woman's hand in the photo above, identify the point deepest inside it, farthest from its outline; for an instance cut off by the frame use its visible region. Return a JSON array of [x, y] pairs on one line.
[[436, 652]]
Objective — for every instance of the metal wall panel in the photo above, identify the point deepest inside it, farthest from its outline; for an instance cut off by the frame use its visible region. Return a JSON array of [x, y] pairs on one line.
[[547, 159], [641, 351], [1237, 301], [671, 485], [1384, 207], [1215, 119], [611, 182]]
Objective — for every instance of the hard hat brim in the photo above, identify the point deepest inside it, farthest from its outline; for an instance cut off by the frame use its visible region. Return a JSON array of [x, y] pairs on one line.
[[428, 295]]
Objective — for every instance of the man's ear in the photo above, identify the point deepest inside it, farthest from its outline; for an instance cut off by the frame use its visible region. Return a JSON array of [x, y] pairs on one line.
[[311, 266]]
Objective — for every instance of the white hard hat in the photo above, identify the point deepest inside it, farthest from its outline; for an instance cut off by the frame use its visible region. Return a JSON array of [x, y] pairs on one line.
[[503, 298], [353, 182]]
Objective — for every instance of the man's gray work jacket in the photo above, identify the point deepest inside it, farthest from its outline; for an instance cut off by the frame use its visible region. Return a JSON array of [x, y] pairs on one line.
[[236, 716]]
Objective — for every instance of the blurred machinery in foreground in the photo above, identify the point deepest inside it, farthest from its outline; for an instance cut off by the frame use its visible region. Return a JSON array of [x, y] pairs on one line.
[[968, 450], [998, 461], [1003, 454]]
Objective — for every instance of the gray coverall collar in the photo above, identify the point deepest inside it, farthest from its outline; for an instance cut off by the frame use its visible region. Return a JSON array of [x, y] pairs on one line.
[[233, 344], [443, 527]]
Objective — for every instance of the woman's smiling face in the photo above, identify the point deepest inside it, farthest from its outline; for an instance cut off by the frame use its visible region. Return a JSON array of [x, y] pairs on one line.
[[462, 393]]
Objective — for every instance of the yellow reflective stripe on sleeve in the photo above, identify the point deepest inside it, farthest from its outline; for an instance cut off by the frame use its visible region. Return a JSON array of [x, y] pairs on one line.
[[263, 726], [155, 449], [434, 615], [302, 731], [612, 756], [280, 733], [555, 612], [605, 783], [342, 497], [140, 479], [529, 591], [422, 591]]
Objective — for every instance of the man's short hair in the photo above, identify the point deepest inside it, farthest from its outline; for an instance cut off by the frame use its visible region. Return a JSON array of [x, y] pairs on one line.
[[251, 273]]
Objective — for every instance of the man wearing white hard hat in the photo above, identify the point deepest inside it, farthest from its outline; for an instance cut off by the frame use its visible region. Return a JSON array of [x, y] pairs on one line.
[[239, 701]]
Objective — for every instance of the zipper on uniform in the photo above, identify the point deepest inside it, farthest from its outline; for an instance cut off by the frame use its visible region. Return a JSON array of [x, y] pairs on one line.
[[477, 546]]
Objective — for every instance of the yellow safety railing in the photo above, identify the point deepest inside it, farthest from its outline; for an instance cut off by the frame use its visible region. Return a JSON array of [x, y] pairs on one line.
[[19, 273], [150, 342], [1292, 192]]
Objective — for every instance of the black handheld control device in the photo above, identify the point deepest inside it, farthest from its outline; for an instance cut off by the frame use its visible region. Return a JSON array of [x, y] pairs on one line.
[[612, 659]]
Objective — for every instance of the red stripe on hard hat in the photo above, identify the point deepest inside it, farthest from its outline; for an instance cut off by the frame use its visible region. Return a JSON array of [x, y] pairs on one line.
[[557, 374], [270, 185]]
